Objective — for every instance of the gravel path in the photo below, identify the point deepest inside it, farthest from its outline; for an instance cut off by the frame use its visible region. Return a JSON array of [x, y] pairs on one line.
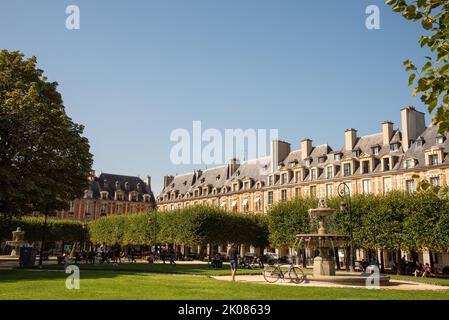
[[394, 284]]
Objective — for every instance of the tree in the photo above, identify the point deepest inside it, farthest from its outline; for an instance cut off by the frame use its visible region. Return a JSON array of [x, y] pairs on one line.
[[433, 77], [44, 159]]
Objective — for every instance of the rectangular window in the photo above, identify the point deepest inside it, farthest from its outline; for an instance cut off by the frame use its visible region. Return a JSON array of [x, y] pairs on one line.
[[284, 195], [394, 147], [270, 197], [313, 191], [388, 185], [284, 178], [435, 181], [347, 169], [410, 186], [270, 180], [337, 157], [366, 186], [433, 159], [297, 192], [329, 190], [386, 166], [297, 176], [330, 172], [313, 174], [409, 163], [365, 166]]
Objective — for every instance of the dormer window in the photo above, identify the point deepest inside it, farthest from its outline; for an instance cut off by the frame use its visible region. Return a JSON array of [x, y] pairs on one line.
[[88, 194], [313, 174], [329, 172], [409, 163], [394, 147], [376, 150], [337, 157], [355, 153], [307, 162], [347, 169], [104, 195], [218, 177], [119, 196], [440, 139], [419, 142], [284, 178], [433, 160], [322, 159], [185, 183], [146, 198], [202, 180]]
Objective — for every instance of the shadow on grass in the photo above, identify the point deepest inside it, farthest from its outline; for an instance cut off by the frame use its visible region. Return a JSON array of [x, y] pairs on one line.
[[38, 275]]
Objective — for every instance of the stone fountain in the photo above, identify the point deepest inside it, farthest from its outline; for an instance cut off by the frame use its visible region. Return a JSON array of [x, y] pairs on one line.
[[17, 242], [324, 262]]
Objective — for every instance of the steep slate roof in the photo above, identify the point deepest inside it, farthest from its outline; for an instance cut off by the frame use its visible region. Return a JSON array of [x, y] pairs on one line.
[[259, 169], [429, 136], [107, 182]]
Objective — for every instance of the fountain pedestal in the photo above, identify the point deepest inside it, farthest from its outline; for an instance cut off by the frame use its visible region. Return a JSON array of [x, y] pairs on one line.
[[17, 242], [323, 267]]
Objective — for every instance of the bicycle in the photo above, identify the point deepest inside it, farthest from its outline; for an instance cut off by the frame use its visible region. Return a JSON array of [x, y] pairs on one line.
[[274, 273]]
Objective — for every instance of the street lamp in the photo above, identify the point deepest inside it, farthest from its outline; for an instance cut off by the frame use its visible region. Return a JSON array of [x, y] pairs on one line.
[[344, 192], [84, 226]]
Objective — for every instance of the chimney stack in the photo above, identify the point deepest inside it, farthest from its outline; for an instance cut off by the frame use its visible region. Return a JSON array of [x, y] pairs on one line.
[[306, 148], [350, 139], [279, 151], [413, 124], [233, 165], [148, 182], [167, 180], [387, 132]]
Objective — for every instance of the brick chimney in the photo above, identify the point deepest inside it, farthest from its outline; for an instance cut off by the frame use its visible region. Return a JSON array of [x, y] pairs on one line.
[[306, 148], [279, 151], [413, 125], [387, 132], [350, 139]]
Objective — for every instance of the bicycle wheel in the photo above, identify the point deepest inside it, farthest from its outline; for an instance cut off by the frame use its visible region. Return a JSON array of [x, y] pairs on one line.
[[296, 275], [271, 274]]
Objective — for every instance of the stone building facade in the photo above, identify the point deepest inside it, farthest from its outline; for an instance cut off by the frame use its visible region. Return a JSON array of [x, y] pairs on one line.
[[110, 194], [376, 163]]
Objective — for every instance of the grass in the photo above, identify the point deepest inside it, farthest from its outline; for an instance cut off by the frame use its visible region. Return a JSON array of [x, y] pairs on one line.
[[427, 280], [96, 285], [192, 269]]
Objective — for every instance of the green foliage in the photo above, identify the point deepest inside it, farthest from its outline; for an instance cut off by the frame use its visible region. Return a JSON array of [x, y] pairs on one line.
[[433, 76], [57, 230], [196, 225], [289, 218], [397, 220], [44, 159]]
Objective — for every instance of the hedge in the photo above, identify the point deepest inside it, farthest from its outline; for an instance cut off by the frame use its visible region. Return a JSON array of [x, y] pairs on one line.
[[397, 220], [196, 225], [57, 230]]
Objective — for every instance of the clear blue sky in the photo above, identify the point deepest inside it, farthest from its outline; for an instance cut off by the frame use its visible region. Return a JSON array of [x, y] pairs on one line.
[[139, 69]]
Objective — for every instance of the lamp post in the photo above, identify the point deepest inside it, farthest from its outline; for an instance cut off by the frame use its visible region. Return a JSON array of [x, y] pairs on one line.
[[344, 192], [84, 226]]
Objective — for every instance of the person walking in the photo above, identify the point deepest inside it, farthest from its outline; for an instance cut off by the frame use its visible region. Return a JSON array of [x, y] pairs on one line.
[[233, 259]]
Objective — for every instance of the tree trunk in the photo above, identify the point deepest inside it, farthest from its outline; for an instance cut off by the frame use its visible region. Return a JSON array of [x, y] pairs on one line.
[[432, 264], [41, 256], [382, 262], [337, 258]]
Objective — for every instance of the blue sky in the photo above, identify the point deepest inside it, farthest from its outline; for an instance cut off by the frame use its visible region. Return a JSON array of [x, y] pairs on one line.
[[136, 70]]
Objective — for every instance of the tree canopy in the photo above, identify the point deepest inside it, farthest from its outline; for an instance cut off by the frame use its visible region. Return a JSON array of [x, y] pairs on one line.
[[432, 79], [44, 159]]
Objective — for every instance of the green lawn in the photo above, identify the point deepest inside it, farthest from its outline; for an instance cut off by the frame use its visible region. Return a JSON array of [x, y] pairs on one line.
[[193, 269], [50, 284]]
